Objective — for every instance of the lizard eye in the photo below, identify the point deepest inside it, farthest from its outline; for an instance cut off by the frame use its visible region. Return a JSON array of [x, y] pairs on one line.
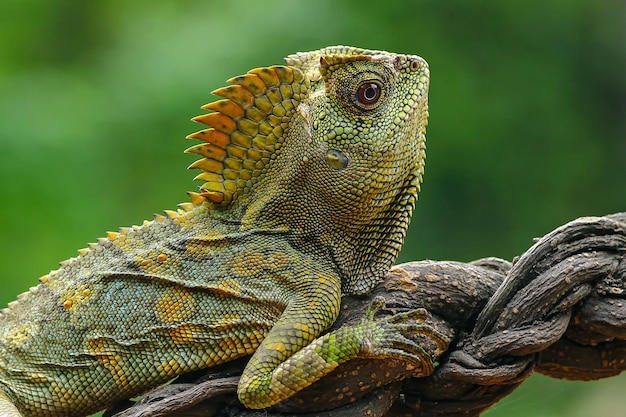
[[368, 93]]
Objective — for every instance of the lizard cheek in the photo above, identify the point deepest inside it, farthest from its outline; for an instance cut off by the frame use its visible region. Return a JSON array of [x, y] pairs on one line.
[[337, 159]]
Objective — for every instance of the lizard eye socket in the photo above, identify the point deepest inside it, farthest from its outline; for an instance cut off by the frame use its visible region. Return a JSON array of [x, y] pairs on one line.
[[368, 93]]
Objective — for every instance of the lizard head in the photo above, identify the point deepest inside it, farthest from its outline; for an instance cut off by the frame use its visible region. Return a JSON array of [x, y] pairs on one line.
[[330, 147]]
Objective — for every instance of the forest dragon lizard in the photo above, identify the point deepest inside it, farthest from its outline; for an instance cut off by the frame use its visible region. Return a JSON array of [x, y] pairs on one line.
[[311, 171]]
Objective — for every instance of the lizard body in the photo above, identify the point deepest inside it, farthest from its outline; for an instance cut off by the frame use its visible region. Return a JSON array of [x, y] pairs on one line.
[[311, 174]]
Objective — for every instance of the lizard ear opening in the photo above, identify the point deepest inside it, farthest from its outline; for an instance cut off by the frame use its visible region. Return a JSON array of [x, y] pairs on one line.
[[246, 128]]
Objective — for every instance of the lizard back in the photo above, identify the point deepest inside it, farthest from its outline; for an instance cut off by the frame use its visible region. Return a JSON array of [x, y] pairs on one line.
[[141, 307]]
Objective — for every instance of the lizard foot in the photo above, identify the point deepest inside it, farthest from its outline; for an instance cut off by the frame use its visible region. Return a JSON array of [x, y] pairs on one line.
[[403, 336]]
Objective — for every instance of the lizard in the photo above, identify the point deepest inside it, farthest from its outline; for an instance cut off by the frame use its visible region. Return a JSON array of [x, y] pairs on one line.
[[311, 171]]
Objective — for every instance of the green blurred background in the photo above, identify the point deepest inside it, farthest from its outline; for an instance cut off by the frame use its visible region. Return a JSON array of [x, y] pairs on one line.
[[527, 128]]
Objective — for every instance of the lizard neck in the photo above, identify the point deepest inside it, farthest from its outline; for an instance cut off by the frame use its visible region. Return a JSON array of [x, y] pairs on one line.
[[363, 238]]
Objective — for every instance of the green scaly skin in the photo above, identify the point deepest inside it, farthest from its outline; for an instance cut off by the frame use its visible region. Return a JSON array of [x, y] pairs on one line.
[[311, 174]]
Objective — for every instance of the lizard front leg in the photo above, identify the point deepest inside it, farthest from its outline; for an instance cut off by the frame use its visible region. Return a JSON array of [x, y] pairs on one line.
[[291, 358], [268, 378]]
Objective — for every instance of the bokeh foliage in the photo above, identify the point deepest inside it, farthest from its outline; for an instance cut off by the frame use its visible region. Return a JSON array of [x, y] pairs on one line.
[[528, 122]]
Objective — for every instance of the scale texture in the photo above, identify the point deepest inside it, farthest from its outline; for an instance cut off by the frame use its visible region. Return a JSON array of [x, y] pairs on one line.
[[310, 174]]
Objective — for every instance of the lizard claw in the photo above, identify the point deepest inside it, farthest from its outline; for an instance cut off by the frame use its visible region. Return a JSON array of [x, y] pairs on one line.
[[377, 304]]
